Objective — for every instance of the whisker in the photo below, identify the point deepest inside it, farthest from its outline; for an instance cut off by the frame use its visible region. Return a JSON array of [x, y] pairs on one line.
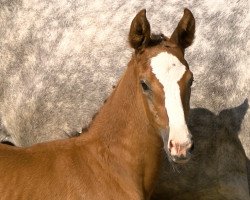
[[173, 165]]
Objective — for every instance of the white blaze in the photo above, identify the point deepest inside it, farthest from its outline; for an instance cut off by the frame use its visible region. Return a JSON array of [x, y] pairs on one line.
[[169, 70]]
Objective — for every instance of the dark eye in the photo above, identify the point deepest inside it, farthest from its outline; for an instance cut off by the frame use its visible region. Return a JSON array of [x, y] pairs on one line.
[[145, 86], [190, 82]]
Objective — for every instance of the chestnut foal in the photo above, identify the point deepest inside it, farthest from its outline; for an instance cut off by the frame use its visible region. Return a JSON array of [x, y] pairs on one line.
[[119, 156]]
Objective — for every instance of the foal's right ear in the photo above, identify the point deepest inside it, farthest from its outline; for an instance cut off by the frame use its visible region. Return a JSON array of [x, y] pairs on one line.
[[139, 34], [184, 32]]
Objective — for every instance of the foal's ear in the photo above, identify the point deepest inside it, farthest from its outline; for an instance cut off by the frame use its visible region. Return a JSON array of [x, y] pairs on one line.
[[139, 34], [184, 32]]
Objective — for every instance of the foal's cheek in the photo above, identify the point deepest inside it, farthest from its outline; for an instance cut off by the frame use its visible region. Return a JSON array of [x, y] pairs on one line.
[[161, 109], [163, 118], [185, 98], [187, 104]]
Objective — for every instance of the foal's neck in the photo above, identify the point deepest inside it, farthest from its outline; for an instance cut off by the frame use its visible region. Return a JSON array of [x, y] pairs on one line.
[[124, 114], [123, 131]]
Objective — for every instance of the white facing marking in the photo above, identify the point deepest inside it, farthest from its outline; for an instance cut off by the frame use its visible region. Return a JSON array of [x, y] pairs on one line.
[[169, 70]]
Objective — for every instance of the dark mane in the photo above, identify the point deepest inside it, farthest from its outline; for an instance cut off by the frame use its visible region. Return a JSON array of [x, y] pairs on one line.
[[156, 39]]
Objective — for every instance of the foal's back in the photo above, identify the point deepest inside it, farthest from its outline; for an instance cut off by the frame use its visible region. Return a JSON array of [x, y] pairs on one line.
[[47, 167], [65, 169]]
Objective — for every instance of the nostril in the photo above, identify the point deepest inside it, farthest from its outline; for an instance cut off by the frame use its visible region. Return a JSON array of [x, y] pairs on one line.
[[171, 144], [191, 148]]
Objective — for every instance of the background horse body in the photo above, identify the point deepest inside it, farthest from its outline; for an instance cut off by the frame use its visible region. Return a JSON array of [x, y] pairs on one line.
[[119, 156], [50, 87]]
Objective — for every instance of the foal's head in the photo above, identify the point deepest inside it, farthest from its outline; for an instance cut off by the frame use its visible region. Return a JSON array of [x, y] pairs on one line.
[[166, 80]]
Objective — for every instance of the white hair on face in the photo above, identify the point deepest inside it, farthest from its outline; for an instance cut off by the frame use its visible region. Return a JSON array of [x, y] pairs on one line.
[[169, 70]]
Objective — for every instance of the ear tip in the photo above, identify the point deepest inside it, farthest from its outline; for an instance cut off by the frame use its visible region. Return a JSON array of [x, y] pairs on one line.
[[142, 12], [188, 12]]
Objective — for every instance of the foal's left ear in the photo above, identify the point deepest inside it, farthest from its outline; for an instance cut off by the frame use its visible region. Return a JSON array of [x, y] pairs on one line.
[[139, 34], [183, 35]]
